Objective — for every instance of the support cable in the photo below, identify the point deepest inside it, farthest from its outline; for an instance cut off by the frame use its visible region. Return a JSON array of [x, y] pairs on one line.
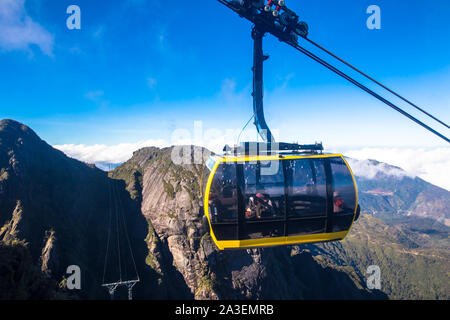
[[117, 230], [109, 226], [361, 86], [239, 137], [375, 81], [124, 257], [126, 235], [116, 204]]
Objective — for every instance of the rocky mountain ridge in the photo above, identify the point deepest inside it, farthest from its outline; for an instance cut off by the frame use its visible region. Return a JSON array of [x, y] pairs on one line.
[[60, 208]]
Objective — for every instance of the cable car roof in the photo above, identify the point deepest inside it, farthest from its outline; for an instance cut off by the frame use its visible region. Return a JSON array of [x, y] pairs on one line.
[[265, 150], [242, 157]]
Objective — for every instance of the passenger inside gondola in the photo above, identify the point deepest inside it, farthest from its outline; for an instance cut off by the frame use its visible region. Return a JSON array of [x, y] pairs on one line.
[[259, 206], [338, 203]]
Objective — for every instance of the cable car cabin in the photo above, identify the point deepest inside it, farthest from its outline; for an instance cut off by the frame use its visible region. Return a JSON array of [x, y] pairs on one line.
[[257, 201]]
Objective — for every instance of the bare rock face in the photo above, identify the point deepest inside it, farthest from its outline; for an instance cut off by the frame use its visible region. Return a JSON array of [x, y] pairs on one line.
[[171, 197], [11, 229]]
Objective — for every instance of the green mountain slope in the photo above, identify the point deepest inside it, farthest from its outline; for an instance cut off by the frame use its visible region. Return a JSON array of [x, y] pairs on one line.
[[412, 265]]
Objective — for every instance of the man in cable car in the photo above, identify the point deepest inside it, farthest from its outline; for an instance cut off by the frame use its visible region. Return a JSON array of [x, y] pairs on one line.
[[259, 206], [338, 203]]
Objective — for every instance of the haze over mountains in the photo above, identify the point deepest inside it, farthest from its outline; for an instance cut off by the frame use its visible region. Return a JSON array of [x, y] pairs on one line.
[[54, 212], [386, 189]]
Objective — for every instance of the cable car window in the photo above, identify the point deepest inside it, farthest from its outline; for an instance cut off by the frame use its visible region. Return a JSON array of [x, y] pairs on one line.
[[306, 181], [223, 208], [307, 196], [264, 201], [271, 173], [343, 195]]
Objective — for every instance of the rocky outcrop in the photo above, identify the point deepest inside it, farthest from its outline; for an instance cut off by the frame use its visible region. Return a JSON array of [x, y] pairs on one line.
[[11, 229], [49, 256]]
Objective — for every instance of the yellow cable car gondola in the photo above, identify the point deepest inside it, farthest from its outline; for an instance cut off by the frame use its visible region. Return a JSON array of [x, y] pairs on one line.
[[281, 199]]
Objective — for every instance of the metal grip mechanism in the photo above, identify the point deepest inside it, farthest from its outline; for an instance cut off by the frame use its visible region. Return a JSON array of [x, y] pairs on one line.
[[258, 87]]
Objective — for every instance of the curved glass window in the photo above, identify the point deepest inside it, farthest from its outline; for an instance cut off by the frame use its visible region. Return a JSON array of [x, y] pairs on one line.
[[307, 187], [307, 196], [263, 190], [343, 195], [223, 202]]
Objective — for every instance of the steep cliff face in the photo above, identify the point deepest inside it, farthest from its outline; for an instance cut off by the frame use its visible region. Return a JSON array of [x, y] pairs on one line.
[[183, 254]]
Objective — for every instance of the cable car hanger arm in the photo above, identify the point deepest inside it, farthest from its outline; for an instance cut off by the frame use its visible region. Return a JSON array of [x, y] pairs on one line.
[[258, 88]]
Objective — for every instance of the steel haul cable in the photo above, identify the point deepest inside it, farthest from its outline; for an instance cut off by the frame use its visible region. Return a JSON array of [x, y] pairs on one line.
[[295, 45], [363, 87], [375, 81]]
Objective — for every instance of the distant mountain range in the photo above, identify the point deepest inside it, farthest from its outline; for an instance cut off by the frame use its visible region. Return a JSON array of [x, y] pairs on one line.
[[55, 212], [390, 190]]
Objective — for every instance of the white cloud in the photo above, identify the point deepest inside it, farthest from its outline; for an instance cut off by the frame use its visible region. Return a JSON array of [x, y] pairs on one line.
[[212, 139], [430, 164], [108, 154], [370, 169], [18, 31]]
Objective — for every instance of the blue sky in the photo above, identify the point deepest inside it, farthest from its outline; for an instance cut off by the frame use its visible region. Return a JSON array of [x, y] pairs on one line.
[[138, 70]]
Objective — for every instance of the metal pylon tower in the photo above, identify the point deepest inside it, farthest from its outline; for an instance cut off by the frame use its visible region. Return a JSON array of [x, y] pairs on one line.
[[113, 286], [116, 213]]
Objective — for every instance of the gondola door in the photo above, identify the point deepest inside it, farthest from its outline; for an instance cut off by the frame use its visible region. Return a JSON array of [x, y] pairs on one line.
[[307, 194], [263, 206]]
